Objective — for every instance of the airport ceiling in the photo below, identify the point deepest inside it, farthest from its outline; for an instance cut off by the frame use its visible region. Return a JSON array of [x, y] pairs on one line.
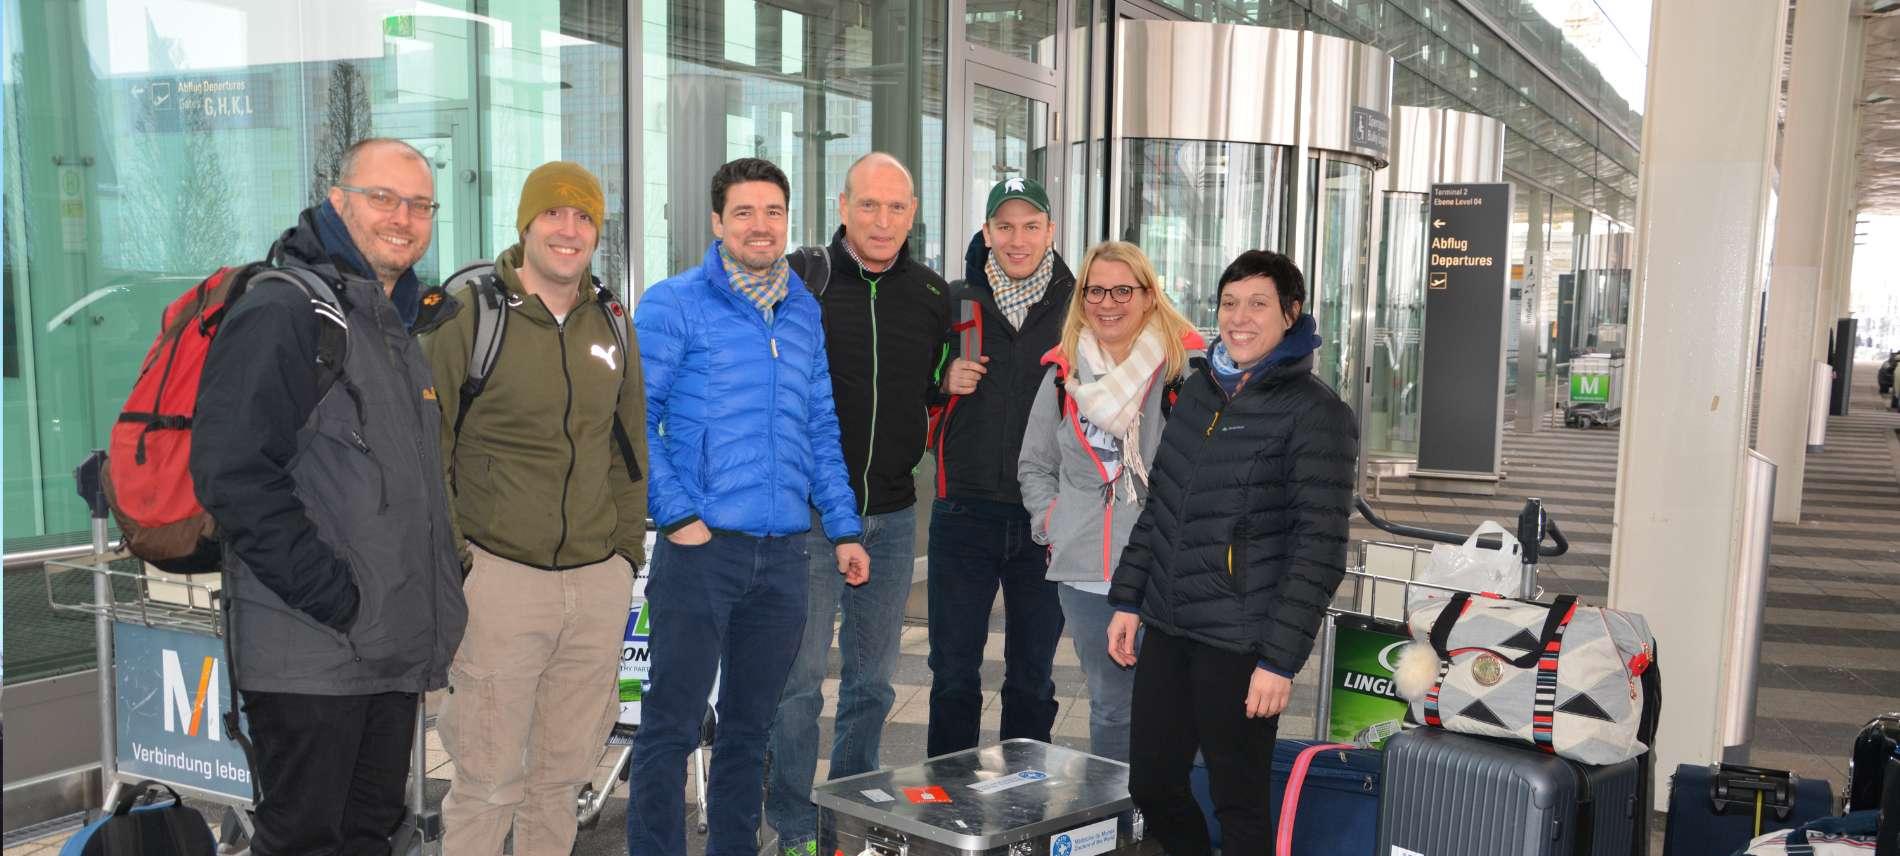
[[1879, 105]]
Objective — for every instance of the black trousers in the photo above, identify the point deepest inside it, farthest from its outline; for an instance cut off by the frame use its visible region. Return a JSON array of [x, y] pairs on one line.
[[1191, 696], [331, 771]]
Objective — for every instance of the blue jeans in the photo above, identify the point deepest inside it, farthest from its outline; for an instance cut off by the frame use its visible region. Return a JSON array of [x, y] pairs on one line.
[[868, 643], [976, 546], [734, 607], [1111, 687]]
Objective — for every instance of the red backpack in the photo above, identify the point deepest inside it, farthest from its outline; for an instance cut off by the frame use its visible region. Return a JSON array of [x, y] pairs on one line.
[[147, 477]]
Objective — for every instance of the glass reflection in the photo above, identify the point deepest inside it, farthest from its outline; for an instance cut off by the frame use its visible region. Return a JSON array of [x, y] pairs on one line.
[[1336, 277], [1193, 206], [1398, 326]]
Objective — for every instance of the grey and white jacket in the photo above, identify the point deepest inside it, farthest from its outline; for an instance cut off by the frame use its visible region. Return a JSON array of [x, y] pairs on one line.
[[1074, 510]]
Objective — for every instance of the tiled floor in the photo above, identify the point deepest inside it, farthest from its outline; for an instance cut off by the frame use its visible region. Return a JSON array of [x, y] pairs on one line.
[[1833, 606]]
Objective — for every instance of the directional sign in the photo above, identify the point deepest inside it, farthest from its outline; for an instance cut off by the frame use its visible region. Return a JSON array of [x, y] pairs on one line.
[[1467, 266]]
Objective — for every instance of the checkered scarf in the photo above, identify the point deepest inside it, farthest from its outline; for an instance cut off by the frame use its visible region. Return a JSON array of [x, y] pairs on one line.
[[765, 291], [1014, 297]]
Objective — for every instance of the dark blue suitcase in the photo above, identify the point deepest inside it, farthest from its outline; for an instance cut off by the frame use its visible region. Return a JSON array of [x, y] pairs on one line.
[[1712, 810], [1339, 803]]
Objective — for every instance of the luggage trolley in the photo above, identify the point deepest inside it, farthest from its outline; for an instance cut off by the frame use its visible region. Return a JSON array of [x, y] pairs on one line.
[[165, 684], [1365, 627]]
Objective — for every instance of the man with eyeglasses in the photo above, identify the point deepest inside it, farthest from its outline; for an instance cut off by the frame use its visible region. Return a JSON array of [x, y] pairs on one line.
[[1012, 302], [553, 510], [345, 589]]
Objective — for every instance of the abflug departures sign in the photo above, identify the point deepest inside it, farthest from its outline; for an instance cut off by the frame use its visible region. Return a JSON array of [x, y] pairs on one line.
[[1467, 277]]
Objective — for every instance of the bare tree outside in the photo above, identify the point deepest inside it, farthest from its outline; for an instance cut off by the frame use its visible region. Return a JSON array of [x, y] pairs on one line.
[[346, 119]]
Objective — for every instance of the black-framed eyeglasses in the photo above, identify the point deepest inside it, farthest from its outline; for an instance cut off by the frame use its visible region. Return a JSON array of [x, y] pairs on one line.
[[1123, 293], [383, 199]]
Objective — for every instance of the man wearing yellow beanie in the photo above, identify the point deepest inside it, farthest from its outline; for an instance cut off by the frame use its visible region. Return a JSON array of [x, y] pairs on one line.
[[553, 513]]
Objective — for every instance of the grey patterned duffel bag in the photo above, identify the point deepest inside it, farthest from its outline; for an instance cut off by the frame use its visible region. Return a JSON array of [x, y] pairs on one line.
[[1578, 681]]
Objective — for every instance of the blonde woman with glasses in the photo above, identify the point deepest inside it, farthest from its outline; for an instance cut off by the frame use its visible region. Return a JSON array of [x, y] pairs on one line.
[[1084, 462]]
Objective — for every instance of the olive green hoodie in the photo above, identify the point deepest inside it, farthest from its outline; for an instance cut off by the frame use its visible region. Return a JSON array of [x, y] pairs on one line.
[[535, 476]]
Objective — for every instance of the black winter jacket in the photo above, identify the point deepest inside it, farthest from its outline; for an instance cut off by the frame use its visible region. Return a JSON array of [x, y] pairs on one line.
[[882, 335], [980, 435], [343, 571], [1243, 540]]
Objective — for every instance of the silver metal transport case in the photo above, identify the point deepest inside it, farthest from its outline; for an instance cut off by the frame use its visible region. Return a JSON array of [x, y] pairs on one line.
[[1017, 798]]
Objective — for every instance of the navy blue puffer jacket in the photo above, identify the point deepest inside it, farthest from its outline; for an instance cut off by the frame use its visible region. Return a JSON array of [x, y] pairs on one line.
[[741, 432]]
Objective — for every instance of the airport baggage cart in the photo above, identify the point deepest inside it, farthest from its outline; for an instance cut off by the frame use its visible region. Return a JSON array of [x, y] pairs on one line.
[[1017, 798]]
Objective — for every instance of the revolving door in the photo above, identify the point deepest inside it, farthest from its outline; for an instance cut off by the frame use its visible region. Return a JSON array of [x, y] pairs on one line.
[[1228, 138]]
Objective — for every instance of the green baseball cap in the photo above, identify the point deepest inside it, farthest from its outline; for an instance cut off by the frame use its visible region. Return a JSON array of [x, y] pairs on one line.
[[1027, 189]]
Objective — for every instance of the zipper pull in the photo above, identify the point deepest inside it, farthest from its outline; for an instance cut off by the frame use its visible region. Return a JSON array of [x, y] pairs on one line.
[[361, 445], [1210, 425], [775, 347]]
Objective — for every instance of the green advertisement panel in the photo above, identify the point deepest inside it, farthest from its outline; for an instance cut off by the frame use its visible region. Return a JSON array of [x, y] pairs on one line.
[[1366, 707], [1589, 388]]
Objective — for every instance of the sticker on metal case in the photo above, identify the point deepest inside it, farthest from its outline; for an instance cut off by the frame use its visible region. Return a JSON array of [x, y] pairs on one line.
[[926, 795], [1400, 851], [1013, 780], [877, 796], [1097, 837]]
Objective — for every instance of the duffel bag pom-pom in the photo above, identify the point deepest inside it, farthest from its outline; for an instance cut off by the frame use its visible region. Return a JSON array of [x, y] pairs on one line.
[[1418, 667]]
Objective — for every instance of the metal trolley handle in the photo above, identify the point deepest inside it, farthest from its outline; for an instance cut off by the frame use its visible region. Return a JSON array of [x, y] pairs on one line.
[[1534, 526]]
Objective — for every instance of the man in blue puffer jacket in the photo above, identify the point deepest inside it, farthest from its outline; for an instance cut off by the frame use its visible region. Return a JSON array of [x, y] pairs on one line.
[[742, 442]]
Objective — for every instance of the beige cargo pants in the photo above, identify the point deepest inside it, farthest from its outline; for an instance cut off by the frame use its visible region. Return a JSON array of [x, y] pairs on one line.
[[533, 693]]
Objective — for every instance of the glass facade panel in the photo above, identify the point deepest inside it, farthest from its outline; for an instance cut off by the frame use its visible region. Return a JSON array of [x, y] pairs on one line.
[[811, 91], [1336, 267], [1193, 206], [1009, 138], [1024, 29], [1398, 327], [149, 142]]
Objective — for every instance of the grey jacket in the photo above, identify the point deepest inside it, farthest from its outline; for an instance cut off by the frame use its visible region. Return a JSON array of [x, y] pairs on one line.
[[342, 573], [1063, 484]]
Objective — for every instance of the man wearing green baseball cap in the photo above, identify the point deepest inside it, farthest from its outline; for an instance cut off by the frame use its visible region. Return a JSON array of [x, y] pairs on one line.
[[1011, 305]]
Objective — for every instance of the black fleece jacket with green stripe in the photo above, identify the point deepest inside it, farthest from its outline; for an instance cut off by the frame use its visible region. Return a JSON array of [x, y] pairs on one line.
[[884, 334]]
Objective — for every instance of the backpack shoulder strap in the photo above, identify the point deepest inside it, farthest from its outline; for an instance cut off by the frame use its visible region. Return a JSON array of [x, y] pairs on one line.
[[610, 304], [813, 265], [333, 329], [490, 303], [617, 322]]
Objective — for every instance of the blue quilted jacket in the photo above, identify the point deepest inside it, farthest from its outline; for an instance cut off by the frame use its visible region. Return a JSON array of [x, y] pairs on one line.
[[741, 432]]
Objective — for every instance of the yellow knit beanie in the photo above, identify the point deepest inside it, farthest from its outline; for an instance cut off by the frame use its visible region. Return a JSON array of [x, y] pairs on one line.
[[558, 183]]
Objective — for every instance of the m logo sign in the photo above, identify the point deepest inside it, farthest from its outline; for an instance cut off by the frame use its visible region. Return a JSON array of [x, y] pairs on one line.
[[191, 706]]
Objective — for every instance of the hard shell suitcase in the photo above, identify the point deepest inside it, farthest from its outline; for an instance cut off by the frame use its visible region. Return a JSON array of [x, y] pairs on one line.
[[1868, 765], [1458, 795], [1017, 798], [1713, 809]]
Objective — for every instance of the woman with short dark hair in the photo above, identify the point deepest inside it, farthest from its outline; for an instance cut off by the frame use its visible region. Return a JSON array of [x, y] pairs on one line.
[[1233, 562]]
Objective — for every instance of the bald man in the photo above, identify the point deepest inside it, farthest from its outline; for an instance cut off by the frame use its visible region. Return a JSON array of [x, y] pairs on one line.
[[885, 315]]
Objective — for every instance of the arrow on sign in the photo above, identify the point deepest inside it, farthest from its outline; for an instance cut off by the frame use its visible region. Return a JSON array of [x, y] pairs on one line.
[[1438, 224]]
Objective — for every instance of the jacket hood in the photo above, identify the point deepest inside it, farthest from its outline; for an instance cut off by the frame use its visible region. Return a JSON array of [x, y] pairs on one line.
[[1299, 343], [321, 243]]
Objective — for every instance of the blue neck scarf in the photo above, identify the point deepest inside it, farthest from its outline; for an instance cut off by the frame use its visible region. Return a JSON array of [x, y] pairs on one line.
[[1303, 339], [407, 295]]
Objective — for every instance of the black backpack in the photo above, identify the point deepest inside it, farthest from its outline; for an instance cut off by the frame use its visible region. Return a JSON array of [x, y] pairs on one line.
[[161, 826]]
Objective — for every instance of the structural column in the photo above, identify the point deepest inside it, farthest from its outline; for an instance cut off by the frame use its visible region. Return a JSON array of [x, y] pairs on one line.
[[1531, 406], [1701, 232], [1797, 302]]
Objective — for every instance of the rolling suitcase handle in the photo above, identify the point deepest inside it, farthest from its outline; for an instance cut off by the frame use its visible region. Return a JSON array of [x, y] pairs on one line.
[[1290, 801]]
